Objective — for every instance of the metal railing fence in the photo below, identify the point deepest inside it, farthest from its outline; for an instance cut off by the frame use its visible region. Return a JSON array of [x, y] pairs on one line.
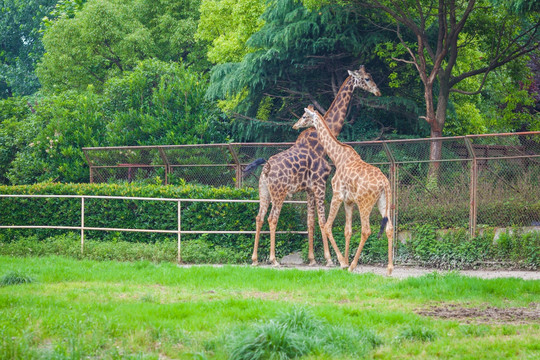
[[178, 231], [478, 175]]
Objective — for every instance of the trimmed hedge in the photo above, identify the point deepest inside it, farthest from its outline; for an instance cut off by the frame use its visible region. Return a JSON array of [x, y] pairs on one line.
[[140, 214]]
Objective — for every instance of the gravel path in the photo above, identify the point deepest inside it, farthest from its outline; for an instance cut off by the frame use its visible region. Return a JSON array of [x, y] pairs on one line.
[[402, 272]]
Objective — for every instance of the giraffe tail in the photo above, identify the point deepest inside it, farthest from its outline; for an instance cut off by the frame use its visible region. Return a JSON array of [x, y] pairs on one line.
[[386, 201], [252, 166], [383, 226]]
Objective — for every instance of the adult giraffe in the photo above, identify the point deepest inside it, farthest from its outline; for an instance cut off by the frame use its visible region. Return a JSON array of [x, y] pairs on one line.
[[355, 182], [302, 167]]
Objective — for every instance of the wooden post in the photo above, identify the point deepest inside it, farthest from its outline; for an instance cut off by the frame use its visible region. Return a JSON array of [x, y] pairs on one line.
[[82, 225], [179, 232]]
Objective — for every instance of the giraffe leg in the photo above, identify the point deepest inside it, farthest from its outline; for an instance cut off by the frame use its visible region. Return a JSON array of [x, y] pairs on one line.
[[334, 207], [319, 198], [263, 208], [390, 235], [366, 231], [272, 222], [311, 226], [348, 228]]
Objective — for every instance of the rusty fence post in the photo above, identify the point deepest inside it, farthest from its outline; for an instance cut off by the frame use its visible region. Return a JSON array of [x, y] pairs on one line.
[[90, 164], [473, 203], [393, 189]]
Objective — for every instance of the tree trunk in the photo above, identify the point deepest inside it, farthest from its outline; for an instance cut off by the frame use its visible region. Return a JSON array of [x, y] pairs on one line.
[[437, 125]]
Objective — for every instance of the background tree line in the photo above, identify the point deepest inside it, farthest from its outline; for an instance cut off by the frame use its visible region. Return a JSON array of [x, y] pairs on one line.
[[76, 73]]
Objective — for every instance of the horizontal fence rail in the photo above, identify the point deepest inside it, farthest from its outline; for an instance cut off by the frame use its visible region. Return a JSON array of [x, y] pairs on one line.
[[178, 231]]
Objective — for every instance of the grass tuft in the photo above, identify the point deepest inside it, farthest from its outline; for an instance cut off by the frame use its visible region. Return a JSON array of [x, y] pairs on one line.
[[15, 278], [297, 333], [416, 333]]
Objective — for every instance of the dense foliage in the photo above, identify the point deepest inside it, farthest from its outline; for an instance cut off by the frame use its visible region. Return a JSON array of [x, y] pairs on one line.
[[155, 103]]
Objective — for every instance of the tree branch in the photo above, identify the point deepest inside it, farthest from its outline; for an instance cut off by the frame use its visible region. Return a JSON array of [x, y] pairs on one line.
[[526, 48]]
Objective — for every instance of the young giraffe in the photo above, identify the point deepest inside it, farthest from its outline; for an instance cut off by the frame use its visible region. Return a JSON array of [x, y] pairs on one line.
[[302, 167], [355, 181]]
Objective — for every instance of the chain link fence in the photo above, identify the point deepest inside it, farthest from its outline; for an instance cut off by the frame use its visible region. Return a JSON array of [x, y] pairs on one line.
[[480, 180]]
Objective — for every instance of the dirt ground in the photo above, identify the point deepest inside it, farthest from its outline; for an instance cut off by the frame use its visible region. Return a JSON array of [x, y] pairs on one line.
[[485, 314]]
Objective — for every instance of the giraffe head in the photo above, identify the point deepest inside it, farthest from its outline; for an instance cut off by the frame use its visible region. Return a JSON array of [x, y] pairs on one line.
[[362, 79], [308, 119]]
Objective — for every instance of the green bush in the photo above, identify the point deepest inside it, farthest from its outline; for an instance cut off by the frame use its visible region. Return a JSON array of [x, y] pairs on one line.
[[456, 250]]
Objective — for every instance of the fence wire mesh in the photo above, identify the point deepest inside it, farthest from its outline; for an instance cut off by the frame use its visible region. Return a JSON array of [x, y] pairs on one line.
[[474, 178]]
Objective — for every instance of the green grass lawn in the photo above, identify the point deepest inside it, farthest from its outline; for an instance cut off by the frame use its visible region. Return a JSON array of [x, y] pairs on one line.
[[59, 308]]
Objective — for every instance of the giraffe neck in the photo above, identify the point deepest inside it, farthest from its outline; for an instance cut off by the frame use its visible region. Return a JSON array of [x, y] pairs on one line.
[[328, 140], [335, 116]]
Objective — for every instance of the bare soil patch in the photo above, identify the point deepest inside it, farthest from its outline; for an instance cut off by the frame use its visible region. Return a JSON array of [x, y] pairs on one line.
[[484, 314]]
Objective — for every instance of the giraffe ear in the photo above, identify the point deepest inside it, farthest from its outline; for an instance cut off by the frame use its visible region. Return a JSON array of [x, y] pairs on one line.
[[350, 72]]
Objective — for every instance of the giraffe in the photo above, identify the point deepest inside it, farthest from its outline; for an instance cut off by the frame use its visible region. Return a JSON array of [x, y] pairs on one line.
[[302, 167], [354, 182]]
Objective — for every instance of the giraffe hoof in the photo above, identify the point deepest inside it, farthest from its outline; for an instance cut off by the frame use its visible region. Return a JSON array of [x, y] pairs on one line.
[[329, 263], [274, 263], [312, 262], [390, 269], [344, 265], [351, 269], [255, 263]]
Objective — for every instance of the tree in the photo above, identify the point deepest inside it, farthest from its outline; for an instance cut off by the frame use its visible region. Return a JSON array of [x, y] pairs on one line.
[[161, 103], [433, 33], [299, 57], [20, 44], [108, 37]]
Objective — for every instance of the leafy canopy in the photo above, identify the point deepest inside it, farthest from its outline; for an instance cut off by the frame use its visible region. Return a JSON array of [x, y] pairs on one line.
[[227, 25], [108, 37]]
